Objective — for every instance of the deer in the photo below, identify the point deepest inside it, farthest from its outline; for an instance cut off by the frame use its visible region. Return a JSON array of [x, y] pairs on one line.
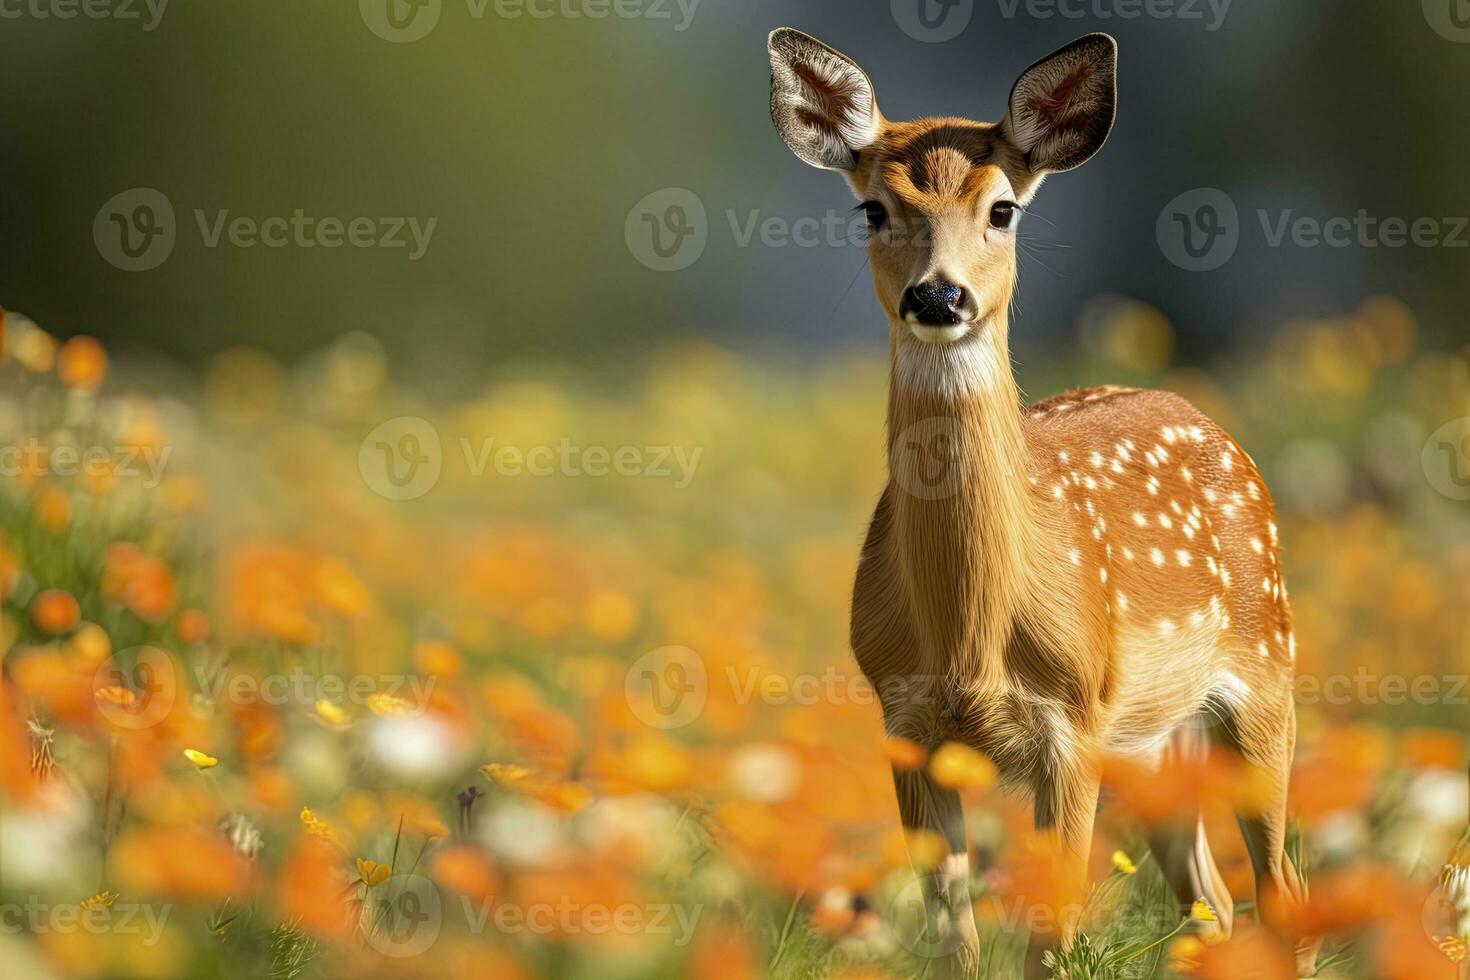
[[1097, 574]]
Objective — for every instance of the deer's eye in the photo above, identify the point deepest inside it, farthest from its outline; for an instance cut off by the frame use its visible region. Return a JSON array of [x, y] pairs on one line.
[[877, 215], [1003, 215]]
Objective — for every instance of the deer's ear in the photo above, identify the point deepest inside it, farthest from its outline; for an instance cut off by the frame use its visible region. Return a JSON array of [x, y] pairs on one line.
[[1061, 109], [821, 102]]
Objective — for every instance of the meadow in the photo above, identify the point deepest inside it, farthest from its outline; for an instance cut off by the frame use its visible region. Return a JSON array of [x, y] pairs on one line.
[[311, 672]]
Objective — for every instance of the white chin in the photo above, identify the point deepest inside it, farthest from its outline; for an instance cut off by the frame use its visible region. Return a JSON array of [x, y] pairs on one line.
[[939, 335]]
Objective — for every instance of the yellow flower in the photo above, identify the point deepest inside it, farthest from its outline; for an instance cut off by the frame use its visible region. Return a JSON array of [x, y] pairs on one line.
[[332, 713], [200, 760], [101, 900], [1452, 946], [1200, 911], [317, 827], [1185, 953], [957, 766], [371, 873], [385, 705], [504, 773], [1123, 864]]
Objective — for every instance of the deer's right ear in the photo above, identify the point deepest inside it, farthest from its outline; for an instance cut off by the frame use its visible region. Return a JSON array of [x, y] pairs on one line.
[[821, 102]]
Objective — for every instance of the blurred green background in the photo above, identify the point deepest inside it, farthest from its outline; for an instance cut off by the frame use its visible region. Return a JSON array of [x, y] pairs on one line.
[[530, 138]]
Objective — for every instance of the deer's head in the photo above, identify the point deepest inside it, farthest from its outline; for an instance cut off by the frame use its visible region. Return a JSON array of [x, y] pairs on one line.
[[943, 196]]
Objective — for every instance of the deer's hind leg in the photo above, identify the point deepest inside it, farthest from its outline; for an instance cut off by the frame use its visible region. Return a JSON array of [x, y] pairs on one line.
[[953, 940], [1263, 730], [1183, 850]]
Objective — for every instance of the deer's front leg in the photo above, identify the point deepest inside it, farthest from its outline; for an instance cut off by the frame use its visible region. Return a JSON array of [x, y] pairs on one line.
[[952, 939], [1066, 804]]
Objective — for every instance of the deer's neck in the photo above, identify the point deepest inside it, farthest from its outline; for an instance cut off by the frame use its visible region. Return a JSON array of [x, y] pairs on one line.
[[964, 516]]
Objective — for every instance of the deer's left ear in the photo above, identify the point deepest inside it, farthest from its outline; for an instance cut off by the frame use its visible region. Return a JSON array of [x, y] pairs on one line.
[[821, 101], [1061, 109]]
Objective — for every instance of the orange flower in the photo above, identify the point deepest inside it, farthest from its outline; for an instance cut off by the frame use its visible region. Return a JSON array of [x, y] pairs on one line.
[[609, 615], [339, 590], [1431, 748], [53, 509], [81, 363], [184, 863], [437, 659], [465, 869], [55, 611], [140, 581], [563, 796], [904, 754], [310, 888], [723, 953], [645, 762], [192, 625], [1185, 954], [9, 567]]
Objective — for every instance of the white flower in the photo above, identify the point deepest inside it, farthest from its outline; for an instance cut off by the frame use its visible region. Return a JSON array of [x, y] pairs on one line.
[[414, 746], [765, 773]]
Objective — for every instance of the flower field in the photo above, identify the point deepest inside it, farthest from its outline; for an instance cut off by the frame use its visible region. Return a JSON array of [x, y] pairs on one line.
[[312, 672]]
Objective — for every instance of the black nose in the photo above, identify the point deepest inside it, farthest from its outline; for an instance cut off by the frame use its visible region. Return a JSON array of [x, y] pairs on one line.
[[935, 304]]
